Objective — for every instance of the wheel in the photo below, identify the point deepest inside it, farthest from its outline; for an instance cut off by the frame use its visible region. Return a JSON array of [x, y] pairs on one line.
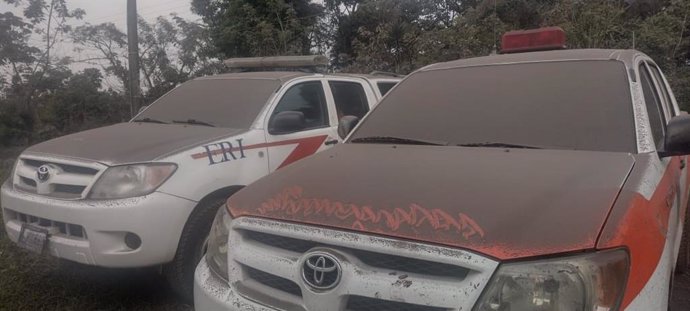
[[683, 263], [192, 247]]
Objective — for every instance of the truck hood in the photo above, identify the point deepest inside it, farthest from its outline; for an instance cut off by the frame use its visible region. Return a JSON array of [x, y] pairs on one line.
[[504, 203], [130, 142]]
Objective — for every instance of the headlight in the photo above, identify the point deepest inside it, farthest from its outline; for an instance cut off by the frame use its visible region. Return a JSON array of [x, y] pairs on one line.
[[128, 181], [217, 252], [592, 282]]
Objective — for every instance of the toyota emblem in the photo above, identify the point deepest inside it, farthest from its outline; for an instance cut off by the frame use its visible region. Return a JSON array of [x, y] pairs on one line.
[[321, 271], [43, 173]]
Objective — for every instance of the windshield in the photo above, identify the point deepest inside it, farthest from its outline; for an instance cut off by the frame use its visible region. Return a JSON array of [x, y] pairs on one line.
[[582, 105], [231, 103]]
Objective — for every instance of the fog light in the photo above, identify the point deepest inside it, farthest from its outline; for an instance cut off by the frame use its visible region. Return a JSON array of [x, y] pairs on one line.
[[132, 240]]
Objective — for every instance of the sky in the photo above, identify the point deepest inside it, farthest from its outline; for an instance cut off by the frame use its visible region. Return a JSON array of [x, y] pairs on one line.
[[115, 11], [111, 11]]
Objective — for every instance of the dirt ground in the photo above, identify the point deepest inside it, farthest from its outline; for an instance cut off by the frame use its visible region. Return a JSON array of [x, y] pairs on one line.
[[32, 282]]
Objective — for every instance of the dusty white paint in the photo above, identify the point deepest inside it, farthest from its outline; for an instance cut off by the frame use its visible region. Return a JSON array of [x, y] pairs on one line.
[[358, 278]]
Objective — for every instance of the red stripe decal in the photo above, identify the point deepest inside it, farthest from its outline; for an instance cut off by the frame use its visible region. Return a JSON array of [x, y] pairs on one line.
[[643, 230], [305, 147]]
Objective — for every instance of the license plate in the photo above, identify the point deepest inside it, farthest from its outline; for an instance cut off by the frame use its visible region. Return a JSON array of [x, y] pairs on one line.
[[33, 238]]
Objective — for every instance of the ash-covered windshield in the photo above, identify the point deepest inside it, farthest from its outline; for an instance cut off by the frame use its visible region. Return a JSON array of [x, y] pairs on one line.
[[231, 103], [582, 105]]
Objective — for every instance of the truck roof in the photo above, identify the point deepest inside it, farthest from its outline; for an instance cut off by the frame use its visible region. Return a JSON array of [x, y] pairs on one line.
[[625, 56], [284, 76]]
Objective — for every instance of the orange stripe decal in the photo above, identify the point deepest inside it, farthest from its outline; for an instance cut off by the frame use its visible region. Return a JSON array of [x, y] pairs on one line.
[[643, 230]]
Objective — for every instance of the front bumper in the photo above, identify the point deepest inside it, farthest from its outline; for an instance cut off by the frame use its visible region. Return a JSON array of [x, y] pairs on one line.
[[267, 263], [157, 219], [213, 293]]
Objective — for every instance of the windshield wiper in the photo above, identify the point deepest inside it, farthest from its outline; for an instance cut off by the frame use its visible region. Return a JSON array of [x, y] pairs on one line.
[[149, 120], [498, 145], [397, 140], [194, 122]]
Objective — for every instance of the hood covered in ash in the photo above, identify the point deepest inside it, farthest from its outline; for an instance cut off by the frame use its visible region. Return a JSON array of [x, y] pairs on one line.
[[130, 142], [503, 203]]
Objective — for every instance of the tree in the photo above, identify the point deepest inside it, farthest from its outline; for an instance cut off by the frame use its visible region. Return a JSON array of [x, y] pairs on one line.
[[33, 69], [172, 51], [241, 28], [43, 98], [110, 43]]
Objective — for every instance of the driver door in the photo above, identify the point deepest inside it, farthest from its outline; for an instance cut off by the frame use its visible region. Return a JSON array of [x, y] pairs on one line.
[[319, 130]]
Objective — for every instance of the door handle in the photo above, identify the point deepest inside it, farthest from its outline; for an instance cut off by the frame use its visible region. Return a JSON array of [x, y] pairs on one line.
[[682, 164], [331, 142]]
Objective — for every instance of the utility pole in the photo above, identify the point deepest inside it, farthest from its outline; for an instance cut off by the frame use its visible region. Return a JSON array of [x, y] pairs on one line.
[[133, 45]]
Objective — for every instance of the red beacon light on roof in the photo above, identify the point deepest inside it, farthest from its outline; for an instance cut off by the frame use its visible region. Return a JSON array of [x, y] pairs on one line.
[[542, 39]]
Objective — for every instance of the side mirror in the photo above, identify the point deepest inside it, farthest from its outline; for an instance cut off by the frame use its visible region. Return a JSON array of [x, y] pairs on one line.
[[287, 122], [347, 123], [677, 141]]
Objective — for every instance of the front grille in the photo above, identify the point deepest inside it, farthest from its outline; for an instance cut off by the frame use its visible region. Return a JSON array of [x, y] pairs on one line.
[[66, 181], [55, 227], [268, 265], [273, 281], [411, 265], [282, 242], [378, 260], [69, 189], [359, 303], [28, 182], [67, 168]]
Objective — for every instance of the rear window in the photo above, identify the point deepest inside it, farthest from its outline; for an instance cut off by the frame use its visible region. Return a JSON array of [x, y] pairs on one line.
[[582, 105], [350, 99], [231, 103], [384, 87]]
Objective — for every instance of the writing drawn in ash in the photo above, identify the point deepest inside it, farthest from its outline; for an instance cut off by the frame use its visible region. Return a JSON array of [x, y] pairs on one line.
[[291, 203]]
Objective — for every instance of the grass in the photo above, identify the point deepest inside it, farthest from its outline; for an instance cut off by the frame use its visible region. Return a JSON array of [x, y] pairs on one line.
[[33, 282]]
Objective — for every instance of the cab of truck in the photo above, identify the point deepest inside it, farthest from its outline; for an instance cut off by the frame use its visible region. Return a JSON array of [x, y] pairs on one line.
[[143, 193], [540, 179]]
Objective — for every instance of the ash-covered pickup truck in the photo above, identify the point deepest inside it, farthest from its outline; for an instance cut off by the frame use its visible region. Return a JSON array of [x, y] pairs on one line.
[[144, 193], [529, 181]]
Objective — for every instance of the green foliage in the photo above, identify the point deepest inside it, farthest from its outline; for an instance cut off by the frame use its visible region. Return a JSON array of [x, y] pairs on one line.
[[162, 70], [260, 28], [41, 98], [44, 98], [35, 74], [14, 33], [403, 35], [172, 50]]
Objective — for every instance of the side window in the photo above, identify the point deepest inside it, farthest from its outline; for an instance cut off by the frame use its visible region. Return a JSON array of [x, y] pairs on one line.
[[656, 115], [309, 99], [664, 92], [350, 98], [384, 87]]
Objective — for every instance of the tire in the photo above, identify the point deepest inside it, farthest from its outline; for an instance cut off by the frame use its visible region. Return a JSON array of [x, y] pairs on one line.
[[192, 247], [683, 263]]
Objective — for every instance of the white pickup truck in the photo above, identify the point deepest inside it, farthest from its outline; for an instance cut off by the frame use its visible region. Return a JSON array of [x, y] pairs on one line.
[[541, 179], [144, 193]]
